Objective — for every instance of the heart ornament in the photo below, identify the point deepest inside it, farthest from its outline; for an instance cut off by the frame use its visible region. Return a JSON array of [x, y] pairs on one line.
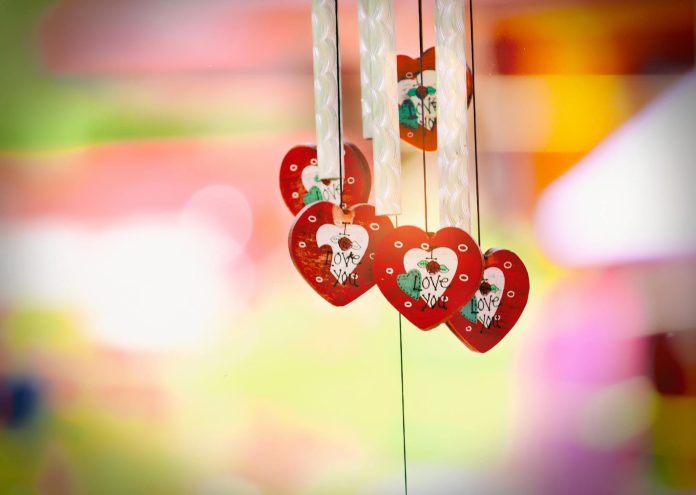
[[497, 305], [428, 277], [418, 99], [300, 184], [333, 249]]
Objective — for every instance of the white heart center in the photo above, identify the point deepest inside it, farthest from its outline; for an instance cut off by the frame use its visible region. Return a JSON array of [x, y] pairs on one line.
[[437, 268], [429, 104], [348, 244], [330, 192], [487, 304]]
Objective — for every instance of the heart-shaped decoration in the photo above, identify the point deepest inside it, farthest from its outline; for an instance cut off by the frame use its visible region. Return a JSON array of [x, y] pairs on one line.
[[334, 249], [300, 184], [428, 277], [498, 303], [418, 99]]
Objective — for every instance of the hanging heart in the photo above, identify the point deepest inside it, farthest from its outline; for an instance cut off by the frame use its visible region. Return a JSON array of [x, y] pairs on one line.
[[334, 249], [300, 184], [418, 99], [497, 305], [428, 277]]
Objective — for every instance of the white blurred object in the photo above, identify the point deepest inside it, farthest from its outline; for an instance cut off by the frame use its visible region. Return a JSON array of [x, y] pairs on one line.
[[150, 283], [632, 197]]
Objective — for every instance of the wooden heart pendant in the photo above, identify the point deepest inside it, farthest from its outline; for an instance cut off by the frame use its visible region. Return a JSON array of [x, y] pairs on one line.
[[497, 304], [428, 277], [334, 249], [418, 99], [301, 186]]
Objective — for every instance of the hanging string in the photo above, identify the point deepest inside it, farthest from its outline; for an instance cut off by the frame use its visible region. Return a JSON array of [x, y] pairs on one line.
[[473, 104], [403, 401], [422, 102], [338, 90]]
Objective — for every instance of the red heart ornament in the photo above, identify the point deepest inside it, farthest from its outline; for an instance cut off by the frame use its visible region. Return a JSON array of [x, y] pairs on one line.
[[300, 185], [418, 99], [334, 249], [427, 277], [497, 305]]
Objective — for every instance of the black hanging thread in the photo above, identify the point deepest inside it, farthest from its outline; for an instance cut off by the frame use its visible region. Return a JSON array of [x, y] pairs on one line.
[[338, 93], [473, 104]]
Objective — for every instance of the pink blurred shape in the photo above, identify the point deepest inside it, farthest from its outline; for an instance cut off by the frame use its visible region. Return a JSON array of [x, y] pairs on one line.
[[632, 197]]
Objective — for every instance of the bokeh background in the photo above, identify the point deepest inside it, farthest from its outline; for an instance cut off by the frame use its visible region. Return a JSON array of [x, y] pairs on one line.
[[155, 338]]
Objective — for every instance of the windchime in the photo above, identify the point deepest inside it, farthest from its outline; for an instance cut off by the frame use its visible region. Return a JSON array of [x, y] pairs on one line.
[[342, 245]]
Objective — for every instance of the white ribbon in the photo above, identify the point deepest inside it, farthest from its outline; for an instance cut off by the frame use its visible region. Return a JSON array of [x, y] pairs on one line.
[[452, 149], [386, 153], [326, 89]]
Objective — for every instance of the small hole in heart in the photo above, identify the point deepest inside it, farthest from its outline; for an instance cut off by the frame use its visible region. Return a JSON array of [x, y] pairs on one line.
[[293, 167], [319, 280], [374, 226], [409, 134], [390, 271], [302, 244], [312, 218], [468, 329], [408, 304], [295, 195], [398, 244], [350, 180], [425, 246], [313, 161], [511, 294], [463, 248], [464, 277], [507, 264]]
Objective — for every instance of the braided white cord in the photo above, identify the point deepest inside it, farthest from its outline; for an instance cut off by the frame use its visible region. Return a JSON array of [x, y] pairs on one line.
[[326, 90], [452, 150], [385, 111], [364, 26]]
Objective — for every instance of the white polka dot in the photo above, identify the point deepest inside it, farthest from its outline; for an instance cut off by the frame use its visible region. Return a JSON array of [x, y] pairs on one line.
[[507, 264], [302, 244], [511, 294], [464, 277], [313, 161], [295, 195], [408, 304], [312, 218], [398, 244], [319, 280], [374, 226], [293, 167], [350, 180], [390, 271], [463, 248], [425, 246]]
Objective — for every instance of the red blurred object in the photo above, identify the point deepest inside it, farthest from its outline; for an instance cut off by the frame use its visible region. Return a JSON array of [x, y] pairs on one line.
[[300, 186], [404, 270], [333, 248], [674, 363], [422, 137], [501, 306]]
